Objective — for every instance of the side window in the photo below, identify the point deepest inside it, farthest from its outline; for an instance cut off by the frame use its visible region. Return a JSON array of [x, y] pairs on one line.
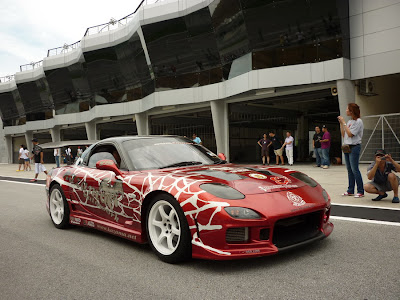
[[99, 156], [85, 156], [103, 152]]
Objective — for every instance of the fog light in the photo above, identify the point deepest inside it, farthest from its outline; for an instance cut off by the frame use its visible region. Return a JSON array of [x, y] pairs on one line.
[[242, 213]]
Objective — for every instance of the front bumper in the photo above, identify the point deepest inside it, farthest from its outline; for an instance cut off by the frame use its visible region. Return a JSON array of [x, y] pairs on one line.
[[213, 244]]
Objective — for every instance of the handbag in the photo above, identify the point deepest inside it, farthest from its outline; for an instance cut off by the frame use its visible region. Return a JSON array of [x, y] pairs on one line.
[[346, 148]]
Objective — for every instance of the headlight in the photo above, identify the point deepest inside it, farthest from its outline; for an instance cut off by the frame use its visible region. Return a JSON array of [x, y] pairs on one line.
[[242, 213], [306, 179], [222, 191], [325, 195]]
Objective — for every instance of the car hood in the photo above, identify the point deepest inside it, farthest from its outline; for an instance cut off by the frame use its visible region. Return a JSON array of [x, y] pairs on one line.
[[247, 179]]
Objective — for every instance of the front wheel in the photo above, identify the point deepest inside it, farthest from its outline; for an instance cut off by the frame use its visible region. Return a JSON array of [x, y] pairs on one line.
[[59, 210], [168, 230]]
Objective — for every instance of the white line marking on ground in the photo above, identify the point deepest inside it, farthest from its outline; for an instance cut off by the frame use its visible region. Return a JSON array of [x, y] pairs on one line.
[[365, 206], [365, 221], [38, 184]]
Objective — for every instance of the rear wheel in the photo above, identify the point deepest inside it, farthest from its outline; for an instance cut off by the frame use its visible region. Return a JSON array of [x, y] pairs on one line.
[[59, 210], [167, 230]]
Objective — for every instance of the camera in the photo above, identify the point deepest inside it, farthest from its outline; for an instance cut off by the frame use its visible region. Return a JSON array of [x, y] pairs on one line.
[[383, 158]]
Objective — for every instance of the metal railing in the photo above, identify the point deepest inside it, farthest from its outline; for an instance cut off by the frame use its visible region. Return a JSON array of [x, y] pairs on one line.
[[64, 49], [381, 132], [7, 78], [31, 66], [112, 24]]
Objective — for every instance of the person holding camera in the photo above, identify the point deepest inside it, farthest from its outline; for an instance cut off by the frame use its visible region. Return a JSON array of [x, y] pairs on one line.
[[352, 133], [383, 180]]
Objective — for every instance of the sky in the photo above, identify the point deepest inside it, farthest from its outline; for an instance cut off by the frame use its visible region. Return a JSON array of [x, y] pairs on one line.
[[28, 28]]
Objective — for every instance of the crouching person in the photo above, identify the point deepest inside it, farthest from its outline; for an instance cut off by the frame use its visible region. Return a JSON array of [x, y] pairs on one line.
[[383, 179]]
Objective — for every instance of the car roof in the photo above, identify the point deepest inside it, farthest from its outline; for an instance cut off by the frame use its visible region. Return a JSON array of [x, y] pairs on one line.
[[121, 139]]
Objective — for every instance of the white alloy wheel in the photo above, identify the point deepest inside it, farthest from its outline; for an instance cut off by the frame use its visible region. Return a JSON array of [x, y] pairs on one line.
[[56, 206], [164, 227]]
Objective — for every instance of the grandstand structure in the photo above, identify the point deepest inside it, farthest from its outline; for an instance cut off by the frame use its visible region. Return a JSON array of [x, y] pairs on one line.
[[227, 70]]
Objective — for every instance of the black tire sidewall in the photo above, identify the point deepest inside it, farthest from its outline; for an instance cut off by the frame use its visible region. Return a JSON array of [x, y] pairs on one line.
[[184, 250], [65, 222]]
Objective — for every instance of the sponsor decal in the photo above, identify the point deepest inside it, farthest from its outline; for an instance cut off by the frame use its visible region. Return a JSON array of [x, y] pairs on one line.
[[295, 199], [278, 187], [252, 251], [281, 180], [257, 176], [74, 220]]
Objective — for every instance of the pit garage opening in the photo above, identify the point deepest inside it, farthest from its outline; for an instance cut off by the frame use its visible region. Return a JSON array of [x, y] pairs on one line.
[[297, 112]]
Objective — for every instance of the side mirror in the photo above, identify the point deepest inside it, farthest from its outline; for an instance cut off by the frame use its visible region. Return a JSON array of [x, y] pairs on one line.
[[108, 165], [222, 156]]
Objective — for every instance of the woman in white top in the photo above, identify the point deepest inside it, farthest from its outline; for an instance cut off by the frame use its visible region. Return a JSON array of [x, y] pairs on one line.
[[25, 157], [352, 133]]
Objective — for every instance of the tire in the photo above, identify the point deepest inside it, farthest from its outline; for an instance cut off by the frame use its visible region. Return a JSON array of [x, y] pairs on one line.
[[167, 230], [59, 209]]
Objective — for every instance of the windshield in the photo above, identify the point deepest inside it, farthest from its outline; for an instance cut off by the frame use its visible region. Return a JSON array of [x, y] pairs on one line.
[[165, 152]]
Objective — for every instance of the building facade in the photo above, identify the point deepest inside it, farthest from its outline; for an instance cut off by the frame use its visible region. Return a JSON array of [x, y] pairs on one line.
[[227, 70]]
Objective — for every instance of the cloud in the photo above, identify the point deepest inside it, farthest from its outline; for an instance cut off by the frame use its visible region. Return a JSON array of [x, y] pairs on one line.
[[30, 28]]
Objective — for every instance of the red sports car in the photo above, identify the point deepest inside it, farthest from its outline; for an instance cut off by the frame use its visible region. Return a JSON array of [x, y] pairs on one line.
[[185, 201]]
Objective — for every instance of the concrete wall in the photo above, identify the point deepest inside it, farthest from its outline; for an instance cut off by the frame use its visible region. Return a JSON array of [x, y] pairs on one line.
[[374, 37], [387, 99]]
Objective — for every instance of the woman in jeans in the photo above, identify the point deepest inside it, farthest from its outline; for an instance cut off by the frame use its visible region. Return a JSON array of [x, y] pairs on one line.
[[352, 133]]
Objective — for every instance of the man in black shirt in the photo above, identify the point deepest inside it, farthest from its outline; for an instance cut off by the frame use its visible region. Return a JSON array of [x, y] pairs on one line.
[[317, 145], [277, 146], [38, 156], [383, 180]]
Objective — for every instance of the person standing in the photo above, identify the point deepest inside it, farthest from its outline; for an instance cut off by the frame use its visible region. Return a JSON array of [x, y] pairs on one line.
[[57, 156], [277, 146], [317, 145], [68, 155], [79, 152], [21, 160], [38, 156], [325, 146], [27, 160], [196, 139], [264, 144], [24, 157], [352, 133], [289, 147]]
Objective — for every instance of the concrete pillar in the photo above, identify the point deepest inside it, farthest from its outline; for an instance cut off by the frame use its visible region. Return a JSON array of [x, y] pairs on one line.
[[55, 134], [28, 139], [142, 123], [219, 111], [56, 137], [91, 132], [302, 138], [9, 148], [346, 94]]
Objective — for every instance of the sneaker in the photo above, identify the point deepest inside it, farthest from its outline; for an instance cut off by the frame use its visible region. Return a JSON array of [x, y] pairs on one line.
[[18, 170], [325, 167], [347, 194], [395, 200], [33, 180], [380, 197], [358, 195]]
